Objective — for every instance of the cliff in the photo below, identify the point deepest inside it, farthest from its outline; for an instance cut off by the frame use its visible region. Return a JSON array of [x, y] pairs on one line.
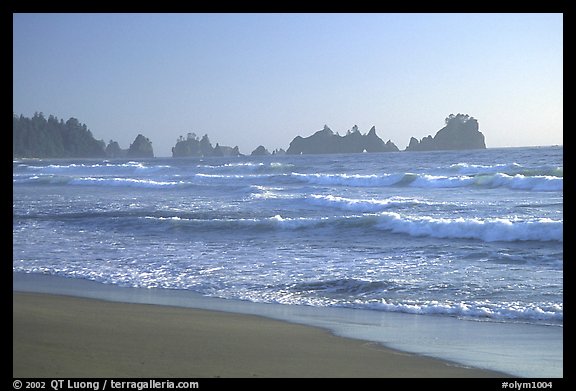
[[326, 141], [461, 132]]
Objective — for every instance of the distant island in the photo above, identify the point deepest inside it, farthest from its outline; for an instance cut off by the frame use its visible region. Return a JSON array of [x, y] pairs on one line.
[[38, 137], [326, 141], [461, 132]]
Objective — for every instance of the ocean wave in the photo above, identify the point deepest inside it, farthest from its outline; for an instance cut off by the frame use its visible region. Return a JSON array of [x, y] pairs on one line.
[[131, 182], [439, 181], [367, 294], [547, 312], [361, 205], [232, 176], [104, 168], [518, 181], [246, 167], [139, 177], [359, 293], [356, 180], [228, 166], [488, 230], [142, 182], [523, 182], [271, 193], [474, 169], [343, 286], [508, 169]]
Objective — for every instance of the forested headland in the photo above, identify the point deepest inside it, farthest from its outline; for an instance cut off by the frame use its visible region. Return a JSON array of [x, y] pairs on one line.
[[41, 137]]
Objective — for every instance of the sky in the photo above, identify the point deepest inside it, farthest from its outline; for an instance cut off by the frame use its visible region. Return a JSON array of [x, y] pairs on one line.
[[262, 79]]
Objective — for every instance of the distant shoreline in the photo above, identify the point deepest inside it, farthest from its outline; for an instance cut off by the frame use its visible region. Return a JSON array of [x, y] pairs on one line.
[[15, 158], [51, 137]]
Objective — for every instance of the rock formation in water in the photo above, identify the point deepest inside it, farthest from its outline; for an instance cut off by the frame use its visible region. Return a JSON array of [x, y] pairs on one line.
[[326, 141], [260, 151], [461, 132], [221, 150], [141, 147], [195, 147], [113, 150]]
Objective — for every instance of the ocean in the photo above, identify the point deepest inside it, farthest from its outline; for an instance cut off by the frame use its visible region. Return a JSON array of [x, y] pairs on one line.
[[471, 235]]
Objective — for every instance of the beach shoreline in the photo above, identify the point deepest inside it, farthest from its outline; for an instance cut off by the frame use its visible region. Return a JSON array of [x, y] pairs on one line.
[[65, 336], [514, 349]]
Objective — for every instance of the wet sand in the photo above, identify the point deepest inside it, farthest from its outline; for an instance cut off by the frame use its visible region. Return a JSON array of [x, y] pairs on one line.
[[63, 336]]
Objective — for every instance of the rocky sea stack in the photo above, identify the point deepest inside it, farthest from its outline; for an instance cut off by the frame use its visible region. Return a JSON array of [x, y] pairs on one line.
[[461, 132], [193, 146], [326, 141], [141, 147]]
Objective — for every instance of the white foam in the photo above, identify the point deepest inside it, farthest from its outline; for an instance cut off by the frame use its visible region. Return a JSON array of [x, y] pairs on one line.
[[508, 169], [550, 312], [489, 230], [132, 182], [351, 179], [359, 205], [435, 181], [473, 169], [232, 176]]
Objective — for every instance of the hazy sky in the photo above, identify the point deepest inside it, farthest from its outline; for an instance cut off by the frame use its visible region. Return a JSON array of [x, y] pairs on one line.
[[251, 79]]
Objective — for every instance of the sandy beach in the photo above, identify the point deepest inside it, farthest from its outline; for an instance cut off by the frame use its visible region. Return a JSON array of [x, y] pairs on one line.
[[62, 336]]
